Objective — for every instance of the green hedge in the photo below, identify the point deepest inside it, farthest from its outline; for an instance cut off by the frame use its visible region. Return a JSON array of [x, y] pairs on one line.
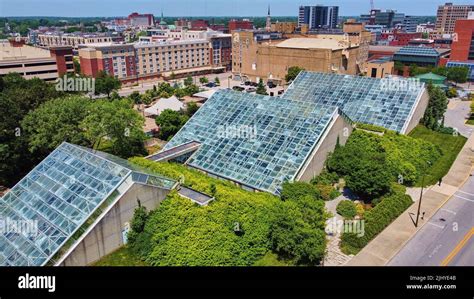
[[377, 219], [346, 209]]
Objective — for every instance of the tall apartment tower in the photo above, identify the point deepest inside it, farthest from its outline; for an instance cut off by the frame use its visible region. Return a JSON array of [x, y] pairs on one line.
[[448, 14], [268, 26], [317, 17]]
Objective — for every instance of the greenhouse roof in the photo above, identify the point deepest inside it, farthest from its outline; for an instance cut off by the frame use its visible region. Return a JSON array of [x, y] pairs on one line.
[[57, 198], [252, 139], [261, 141], [387, 102]]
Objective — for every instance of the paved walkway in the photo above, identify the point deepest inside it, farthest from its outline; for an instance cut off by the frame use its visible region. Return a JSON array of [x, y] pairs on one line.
[[334, 255], [391, 240]]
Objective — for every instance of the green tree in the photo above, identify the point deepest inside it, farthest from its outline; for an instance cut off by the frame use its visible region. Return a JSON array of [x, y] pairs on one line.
[[77, 66], [261, 89], [117, 124], [105, 84], [298, 231], [437, 106], [170, 122], [292, 73], [191, 108], [217, 81], [188, 81], [54, 122], [203, 80], [458, 74]]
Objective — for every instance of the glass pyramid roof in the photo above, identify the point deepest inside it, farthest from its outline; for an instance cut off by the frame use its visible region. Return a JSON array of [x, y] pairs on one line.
[[259, 141], [56, 198], [388, 102]]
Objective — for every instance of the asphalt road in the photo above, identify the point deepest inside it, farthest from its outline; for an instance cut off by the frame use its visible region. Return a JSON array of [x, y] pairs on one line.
[[448, 238]]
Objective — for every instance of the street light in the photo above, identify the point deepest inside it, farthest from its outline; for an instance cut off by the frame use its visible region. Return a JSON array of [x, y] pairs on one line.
[[421, 195]]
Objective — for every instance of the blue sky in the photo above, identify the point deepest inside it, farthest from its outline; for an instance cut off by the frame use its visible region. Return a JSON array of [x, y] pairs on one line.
[[81, 8]]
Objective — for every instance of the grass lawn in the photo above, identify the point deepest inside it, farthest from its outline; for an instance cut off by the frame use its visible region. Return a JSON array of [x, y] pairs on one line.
[[120, 257], [450, 146]]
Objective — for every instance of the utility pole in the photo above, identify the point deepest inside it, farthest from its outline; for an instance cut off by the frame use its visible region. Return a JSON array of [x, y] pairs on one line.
[[421, 196]]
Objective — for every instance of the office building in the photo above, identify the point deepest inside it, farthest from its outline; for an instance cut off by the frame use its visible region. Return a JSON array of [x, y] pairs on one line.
[[448, 14], [388, 18], [318, 17]]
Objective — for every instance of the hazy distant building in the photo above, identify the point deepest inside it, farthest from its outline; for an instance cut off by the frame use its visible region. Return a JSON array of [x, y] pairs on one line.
[[244, 24], [388, 18], [316, 17], [448, 14]]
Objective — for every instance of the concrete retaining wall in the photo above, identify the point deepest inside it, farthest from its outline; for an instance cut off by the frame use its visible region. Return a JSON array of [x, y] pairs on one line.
[[107, 234]]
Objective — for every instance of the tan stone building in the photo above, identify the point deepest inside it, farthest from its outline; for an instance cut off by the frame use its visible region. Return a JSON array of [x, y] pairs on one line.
[[448, 14], [284, 27], [380, 68], [255, 58]]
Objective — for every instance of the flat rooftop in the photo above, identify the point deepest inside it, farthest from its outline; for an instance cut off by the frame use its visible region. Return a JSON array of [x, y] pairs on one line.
[[311, 43], [9, 53]]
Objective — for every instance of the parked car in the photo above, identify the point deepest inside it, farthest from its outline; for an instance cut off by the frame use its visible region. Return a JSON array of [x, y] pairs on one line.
[[238, 88], [254, 84], [251, 89], [270, 84], [247, 83], [211, 84]]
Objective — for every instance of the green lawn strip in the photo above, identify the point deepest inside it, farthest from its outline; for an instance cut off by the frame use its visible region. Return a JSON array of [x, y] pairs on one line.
[[120, 257], [450, 146]]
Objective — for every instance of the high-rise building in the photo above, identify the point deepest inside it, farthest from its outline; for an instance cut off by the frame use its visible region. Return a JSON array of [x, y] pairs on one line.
[[448, 14], [316, 17], [388, 18], [462, 48]]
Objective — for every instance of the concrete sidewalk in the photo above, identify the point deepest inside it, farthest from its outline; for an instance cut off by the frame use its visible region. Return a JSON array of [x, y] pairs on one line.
[[390, 241]]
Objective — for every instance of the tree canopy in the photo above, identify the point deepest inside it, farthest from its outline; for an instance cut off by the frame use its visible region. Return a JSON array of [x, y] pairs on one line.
[[293, 72]]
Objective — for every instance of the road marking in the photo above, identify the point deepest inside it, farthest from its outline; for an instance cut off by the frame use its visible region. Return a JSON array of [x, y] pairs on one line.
[[437, 225], [466, 193], [449, 211], [458, 248], [471, 200]]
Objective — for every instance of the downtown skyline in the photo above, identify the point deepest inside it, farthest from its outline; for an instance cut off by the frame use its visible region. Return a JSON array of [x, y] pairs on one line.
[[203, 8]]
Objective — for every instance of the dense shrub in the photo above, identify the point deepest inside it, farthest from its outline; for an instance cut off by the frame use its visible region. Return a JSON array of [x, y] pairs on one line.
[[346, 209], [369, 162], [299, 190], [298, 231], [372, 128], [376, 219]]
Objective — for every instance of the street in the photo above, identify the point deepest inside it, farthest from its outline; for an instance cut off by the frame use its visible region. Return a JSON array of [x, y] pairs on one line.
[[447, 239]]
